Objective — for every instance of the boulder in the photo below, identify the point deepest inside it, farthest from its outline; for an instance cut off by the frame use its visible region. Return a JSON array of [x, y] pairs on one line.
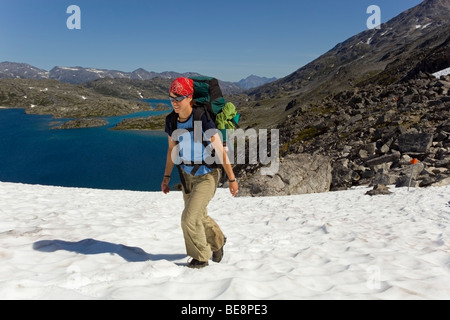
[[297, 174], [415, 142]]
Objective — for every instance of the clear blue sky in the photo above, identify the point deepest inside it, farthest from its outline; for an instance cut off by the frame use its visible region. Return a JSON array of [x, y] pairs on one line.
[[228, 39]]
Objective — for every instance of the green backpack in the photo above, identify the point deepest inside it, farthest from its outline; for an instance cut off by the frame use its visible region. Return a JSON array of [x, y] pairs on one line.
[[207, 92]]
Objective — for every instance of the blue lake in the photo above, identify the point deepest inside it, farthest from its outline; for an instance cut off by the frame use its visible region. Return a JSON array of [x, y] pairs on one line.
[[31, 152]]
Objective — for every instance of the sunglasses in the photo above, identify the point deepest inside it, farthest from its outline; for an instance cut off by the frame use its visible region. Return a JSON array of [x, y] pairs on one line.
[[178, 98]]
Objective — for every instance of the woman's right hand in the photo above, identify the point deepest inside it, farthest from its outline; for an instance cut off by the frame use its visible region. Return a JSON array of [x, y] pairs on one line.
[[165, 185]]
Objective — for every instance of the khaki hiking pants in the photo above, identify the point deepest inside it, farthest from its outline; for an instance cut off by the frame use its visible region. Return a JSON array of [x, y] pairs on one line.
[[202, 235]]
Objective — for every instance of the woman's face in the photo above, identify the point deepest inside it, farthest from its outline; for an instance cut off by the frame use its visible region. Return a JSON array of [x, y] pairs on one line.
[[180, 103]]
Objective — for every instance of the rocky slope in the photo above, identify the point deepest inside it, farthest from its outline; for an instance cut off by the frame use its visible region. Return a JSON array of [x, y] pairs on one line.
[[369, 136]]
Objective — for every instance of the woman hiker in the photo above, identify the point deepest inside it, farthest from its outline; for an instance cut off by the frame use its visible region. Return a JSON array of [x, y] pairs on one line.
[[202, 235]]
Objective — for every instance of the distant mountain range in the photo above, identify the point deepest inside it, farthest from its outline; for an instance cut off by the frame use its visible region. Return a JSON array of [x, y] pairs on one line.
[[77, 75], [254, 81]]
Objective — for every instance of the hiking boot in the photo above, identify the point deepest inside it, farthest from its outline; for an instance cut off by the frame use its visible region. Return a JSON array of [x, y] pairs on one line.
[[195, 264], [218, 255]]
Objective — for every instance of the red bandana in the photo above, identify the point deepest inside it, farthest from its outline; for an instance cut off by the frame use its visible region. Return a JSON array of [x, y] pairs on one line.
[[182, 86]]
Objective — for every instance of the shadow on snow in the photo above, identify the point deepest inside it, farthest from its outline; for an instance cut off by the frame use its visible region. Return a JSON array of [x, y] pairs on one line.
[[92, 246]]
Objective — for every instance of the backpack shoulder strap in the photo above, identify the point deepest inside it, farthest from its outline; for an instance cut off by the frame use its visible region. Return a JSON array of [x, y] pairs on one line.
[[199, 110], [172, 121]]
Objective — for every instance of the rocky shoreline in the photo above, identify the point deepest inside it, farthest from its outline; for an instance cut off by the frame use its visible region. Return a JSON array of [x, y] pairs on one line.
[[63, 100], [147, 123], [82, 123], [156, 122], [85, 104]]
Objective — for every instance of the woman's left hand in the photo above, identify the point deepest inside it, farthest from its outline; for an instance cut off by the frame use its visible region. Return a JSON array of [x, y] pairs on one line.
[[234, 187]]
